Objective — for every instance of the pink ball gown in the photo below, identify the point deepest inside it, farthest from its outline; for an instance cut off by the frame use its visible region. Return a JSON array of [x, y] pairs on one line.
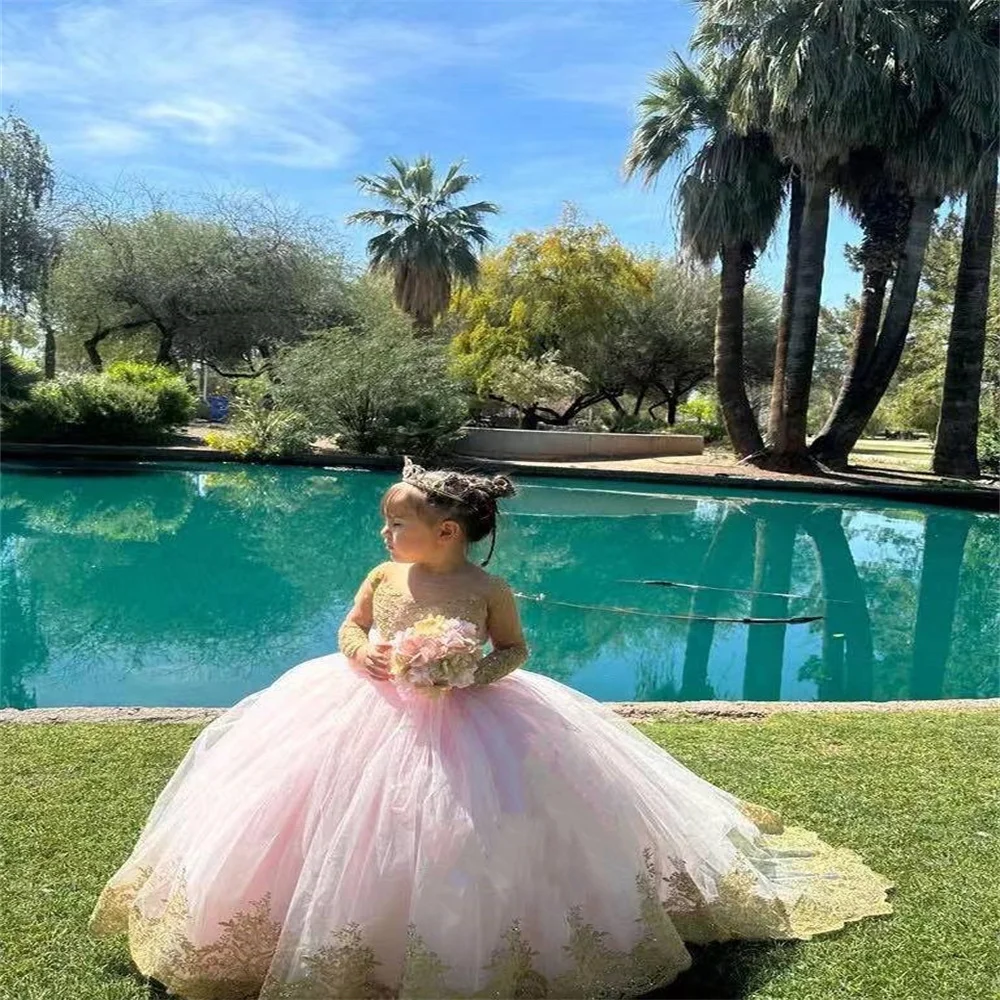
[[335, 837]]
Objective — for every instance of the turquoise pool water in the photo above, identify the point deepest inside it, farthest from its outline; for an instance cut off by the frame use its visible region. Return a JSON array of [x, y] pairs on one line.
[[157, 585]]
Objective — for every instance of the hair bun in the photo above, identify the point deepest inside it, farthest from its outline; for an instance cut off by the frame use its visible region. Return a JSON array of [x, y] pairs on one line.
[[458, 487], [500, 487]]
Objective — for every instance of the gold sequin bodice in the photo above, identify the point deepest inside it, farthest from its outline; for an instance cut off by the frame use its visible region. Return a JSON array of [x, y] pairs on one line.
[[393, 609]]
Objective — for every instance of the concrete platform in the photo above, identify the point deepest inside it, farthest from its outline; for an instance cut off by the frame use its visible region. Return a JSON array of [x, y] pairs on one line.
[[554, 445]]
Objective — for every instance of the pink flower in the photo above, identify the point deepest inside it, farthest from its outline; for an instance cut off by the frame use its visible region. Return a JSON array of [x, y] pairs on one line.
[[436, 652], [417, 650], [419, 676]]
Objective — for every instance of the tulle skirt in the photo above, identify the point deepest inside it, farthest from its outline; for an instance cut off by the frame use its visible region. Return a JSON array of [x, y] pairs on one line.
[[331, 837]]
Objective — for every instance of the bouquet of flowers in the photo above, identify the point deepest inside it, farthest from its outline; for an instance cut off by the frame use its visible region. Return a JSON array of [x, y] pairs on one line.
[[436, 654]]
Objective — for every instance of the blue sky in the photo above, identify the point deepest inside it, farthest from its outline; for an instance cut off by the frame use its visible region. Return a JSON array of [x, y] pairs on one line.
[[299, 97]]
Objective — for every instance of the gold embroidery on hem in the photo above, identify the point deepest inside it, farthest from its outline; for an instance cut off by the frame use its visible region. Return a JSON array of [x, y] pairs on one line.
[[789, 885]]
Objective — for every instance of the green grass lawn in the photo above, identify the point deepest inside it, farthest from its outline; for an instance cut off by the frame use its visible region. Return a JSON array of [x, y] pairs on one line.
[[872, 453], [917, 794], [910, 456]]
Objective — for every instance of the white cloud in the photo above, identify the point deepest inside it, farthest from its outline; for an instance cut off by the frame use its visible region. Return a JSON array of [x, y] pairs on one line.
[[256, 80], [104, 136], [211, 120], [250, 81]]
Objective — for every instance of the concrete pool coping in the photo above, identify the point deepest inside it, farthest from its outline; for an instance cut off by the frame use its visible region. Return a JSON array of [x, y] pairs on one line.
[[633, 711], [971, 496]]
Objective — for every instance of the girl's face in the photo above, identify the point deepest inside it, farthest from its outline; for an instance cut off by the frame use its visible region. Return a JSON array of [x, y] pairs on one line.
[[411, 538]]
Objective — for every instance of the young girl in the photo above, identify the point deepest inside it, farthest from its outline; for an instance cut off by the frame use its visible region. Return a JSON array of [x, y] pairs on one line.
[[338, 835]]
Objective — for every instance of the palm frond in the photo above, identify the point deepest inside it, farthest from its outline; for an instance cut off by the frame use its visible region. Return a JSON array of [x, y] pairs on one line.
[[732, 188], [427, 242]]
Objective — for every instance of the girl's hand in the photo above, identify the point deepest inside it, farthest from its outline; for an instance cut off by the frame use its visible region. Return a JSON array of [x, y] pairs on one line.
[[374, 659]]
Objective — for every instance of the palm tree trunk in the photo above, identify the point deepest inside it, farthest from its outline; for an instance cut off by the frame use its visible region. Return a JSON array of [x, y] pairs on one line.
[[721, 562], [741, 424], [874, 283], [776, 417], [869, 316], [945, 535], [805, 321], [955, 452], [773, 553], [423, 323], [848, 648], [885, 213], [859, 400]]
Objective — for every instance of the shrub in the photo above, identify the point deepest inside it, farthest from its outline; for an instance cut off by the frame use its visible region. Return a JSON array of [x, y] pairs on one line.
[[17, 376], [989, 442], [176, 402], [100, 409], [424, 425], [374, 387], [260, 430], [700, 415], [712, 433], [700, 410], [85, 408], [635, 423]]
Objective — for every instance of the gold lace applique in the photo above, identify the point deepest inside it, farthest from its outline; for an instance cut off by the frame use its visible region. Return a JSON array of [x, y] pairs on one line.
[[836, 886], [792, 885], [350, 638], [424, 974], [598, 971], [344, 968], [817, 889], [764, 819], [658, 956], [232, 966], [512, 971], [111, 911]]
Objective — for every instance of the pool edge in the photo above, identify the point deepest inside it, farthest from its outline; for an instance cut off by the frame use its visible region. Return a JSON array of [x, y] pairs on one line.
[[633, 711], [970, 497]]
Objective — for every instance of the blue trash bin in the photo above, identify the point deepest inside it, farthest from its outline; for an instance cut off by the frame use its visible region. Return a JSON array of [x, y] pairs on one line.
[[218, 408]]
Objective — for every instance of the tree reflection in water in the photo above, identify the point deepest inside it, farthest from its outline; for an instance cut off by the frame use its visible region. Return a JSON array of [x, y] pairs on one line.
[[181, 587]]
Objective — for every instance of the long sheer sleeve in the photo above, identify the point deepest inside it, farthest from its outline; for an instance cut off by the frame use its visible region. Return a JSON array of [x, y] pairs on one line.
[[353, 633], [503, 625]]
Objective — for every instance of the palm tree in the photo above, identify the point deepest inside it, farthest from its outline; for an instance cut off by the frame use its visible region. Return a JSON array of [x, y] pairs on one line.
[[776, 412], [955, 452], [427, 243], [946, 117], [818, 79], [882, 207], [730, 198]]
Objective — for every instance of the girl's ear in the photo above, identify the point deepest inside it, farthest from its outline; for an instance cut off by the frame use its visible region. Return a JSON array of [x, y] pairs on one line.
[[448, 531]]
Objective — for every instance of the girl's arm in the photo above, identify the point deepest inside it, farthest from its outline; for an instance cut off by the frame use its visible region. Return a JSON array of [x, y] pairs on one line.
[[503, 624], [353, 633]]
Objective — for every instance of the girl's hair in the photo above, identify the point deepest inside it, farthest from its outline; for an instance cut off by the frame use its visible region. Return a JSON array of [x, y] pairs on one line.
[[469, 500]]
